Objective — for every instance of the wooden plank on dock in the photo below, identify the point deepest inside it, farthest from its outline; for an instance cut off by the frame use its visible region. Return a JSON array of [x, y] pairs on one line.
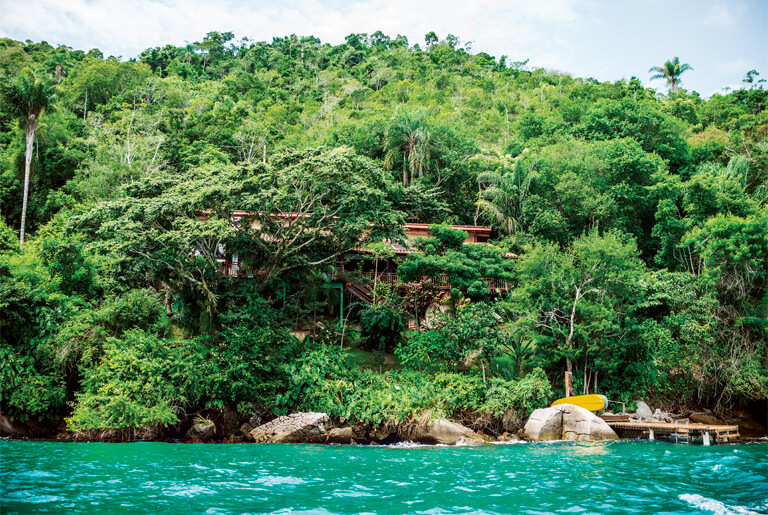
[[615, 418], [721, 433]]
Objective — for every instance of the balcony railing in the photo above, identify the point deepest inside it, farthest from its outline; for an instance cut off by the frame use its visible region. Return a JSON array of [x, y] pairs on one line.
[[497, 284], [236, 270], [441, 282]]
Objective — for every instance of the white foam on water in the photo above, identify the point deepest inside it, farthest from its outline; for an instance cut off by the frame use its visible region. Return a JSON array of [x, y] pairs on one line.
[[406, 445], [37, 473], [352, 493], [468, 443], [713, 506], [415, 445], [315, 511], [280, 480], [187, 491]]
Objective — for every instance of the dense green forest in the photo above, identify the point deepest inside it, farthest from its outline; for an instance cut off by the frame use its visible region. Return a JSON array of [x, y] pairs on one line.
[[639, 220]]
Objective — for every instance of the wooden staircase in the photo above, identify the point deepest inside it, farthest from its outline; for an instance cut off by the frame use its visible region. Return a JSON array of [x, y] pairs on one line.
[[360, 291]]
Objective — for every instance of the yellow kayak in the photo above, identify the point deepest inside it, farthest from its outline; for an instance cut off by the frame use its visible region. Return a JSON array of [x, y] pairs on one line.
[[592, 402]]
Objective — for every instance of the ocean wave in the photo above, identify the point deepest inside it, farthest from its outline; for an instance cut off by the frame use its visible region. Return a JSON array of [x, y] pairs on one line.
[[711, 505]]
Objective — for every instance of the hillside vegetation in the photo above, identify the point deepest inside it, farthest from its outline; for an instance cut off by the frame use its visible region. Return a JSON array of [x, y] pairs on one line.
[[639, 219]]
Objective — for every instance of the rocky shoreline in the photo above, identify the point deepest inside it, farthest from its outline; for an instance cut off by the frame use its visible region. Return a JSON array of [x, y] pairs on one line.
[[562, 422]]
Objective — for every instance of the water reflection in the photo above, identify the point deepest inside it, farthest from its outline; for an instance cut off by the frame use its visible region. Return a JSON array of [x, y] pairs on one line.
[[593, 477], [590, 449]]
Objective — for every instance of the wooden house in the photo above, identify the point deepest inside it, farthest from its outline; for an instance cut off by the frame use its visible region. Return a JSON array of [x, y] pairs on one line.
[[360, 263]]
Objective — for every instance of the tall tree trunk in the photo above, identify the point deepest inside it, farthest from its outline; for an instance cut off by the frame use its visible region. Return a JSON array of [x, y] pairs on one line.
[[596, 390], [27, 162], [405, 170], [571, 330], [569, 392]]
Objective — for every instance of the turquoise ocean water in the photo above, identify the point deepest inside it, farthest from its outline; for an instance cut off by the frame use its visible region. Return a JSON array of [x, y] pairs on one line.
[[159, 478]]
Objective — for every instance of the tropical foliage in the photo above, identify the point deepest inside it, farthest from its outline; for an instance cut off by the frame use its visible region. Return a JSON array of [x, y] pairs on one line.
[[629, 235], [671, 71]]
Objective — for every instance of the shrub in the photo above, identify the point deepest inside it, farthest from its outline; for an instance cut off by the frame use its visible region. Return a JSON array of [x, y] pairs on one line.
[[137, 384], [422, 350], [459, 392], [474, 329], [321, 380], [500, 396], [244, 365], [531, 392], [317, 380], [142, 381], [136, 309], [25, 391], [381, 327]]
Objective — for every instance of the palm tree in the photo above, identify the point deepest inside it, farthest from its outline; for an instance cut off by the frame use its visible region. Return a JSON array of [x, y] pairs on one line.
[[26, 98], [58, 65], [672, 70], [504, 201], [408, 132]]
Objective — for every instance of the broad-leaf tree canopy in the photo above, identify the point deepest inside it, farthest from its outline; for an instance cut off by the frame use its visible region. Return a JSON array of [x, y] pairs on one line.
[[628, 233]]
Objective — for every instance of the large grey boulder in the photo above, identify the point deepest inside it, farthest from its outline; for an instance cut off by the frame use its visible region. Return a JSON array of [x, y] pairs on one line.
[[442, 431], [566, 422], [227, 423], [512, 421], [643, 410], [10, 427], [381, 433], [705, 418], [29, 428], [296, 428], [748, 427], [449, 433], [545, 424], [201, 432], [507, 437], [245, 429], [339, 435], [582, 424]]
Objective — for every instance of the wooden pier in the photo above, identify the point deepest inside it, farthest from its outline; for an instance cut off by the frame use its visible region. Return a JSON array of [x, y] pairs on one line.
[[708, 433]]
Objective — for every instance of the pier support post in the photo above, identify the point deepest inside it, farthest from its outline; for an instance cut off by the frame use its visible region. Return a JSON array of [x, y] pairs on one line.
[[568, 384], [651, 435], [706, 438]]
